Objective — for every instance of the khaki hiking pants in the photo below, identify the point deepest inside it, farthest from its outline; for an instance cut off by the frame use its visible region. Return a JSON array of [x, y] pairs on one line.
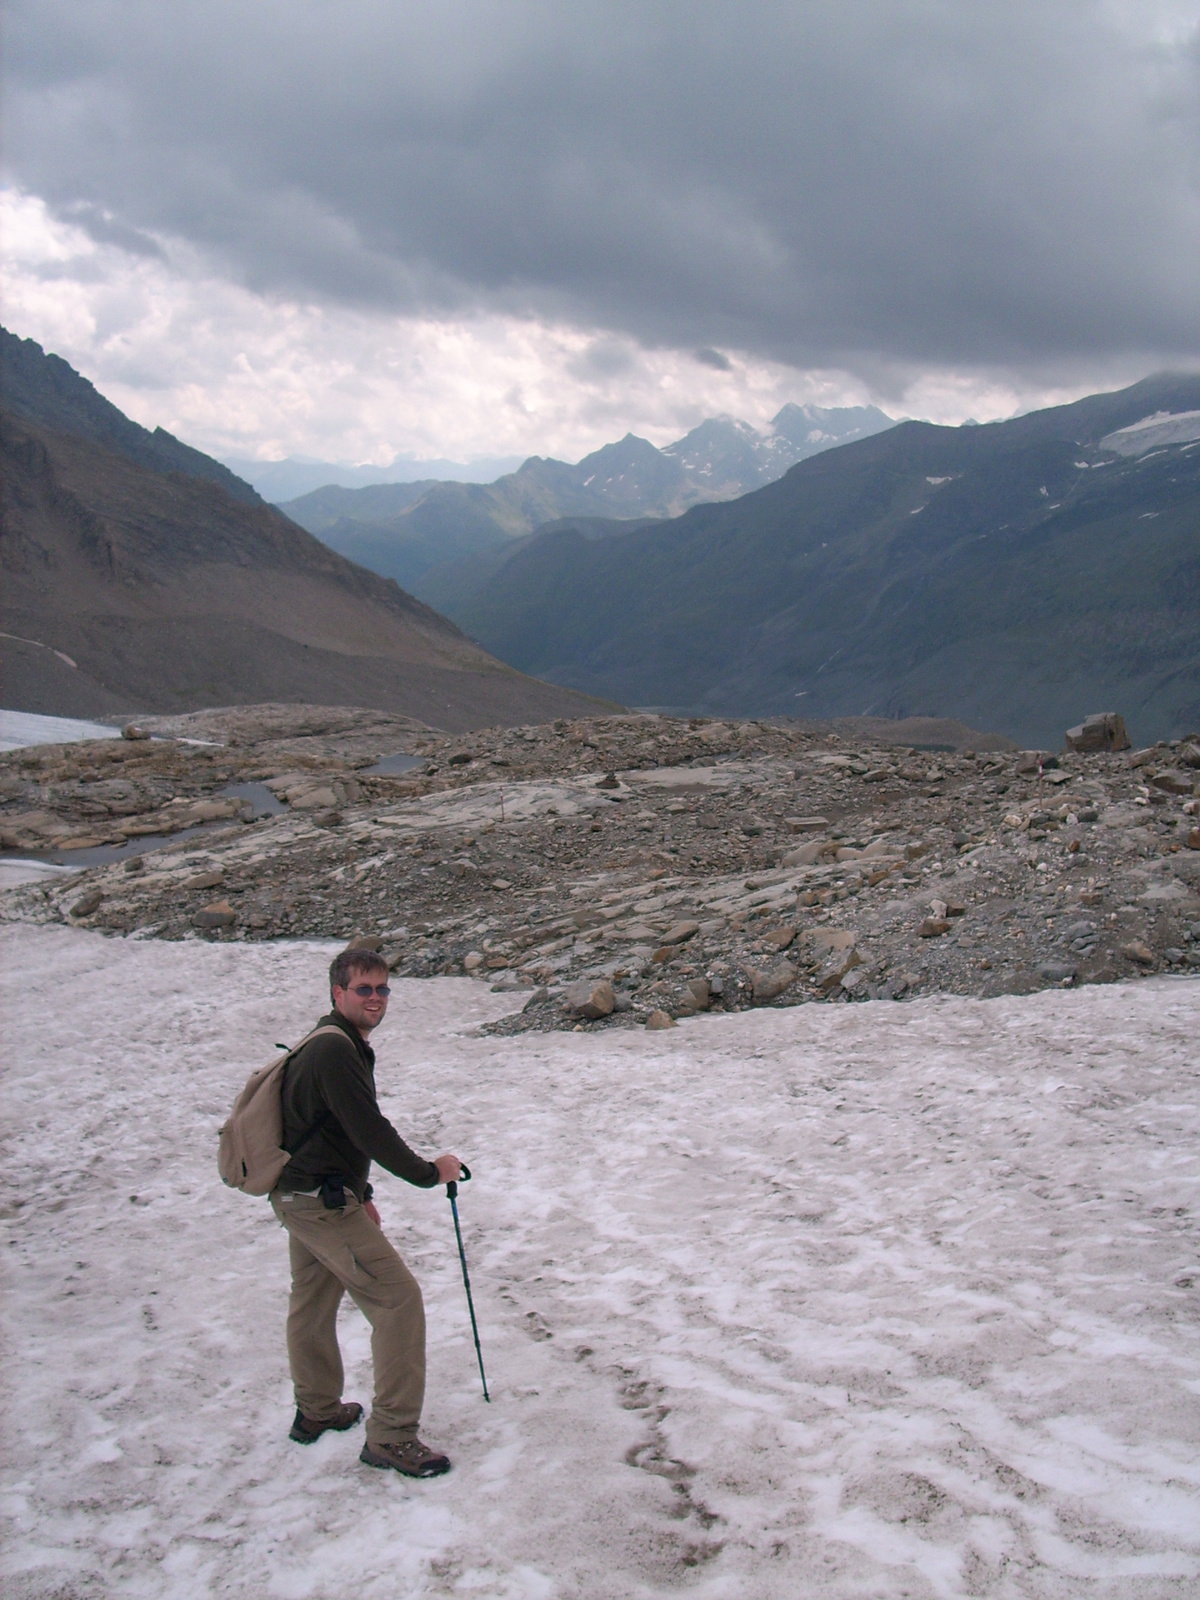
[[337, 1252]]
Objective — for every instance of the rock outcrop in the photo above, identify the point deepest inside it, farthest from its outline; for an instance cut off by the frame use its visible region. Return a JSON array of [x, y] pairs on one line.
[[1103, 731], [608, 869]]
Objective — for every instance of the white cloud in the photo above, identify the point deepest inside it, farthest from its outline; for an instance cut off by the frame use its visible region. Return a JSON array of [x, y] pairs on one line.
[[240, 373]]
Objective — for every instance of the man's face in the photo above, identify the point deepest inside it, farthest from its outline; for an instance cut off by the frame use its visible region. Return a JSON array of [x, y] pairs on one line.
[[363, 1011]]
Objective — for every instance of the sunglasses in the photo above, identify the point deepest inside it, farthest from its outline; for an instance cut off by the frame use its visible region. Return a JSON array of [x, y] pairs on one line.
[[364, 991]]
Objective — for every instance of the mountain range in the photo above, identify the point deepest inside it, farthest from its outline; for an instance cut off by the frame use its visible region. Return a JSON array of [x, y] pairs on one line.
[[409, 530], [280, 481], [142, 576], [1015, 575]]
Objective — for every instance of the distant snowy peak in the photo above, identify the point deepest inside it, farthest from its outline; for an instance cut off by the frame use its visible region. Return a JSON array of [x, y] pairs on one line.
[[811, 429], [723, 450], [727, 455]]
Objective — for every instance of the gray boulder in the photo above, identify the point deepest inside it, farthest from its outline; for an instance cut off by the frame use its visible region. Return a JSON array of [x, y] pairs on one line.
[[1105, 730], [1057, 971], [1173, 781], [835, 971], [803, 855], [769, 983]]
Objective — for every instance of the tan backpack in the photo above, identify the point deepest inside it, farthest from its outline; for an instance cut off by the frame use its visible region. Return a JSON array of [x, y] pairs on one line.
[[250, 1155]]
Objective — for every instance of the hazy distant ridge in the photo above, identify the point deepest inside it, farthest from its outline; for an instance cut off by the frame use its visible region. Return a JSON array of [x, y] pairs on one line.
[[280, 481], [406, 530]]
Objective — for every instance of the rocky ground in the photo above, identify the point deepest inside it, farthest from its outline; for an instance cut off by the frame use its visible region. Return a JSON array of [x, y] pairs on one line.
[[631, 868]]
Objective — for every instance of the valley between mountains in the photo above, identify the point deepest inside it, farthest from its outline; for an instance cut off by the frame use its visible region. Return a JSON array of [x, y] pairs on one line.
[[1005, 574], [416, 532]]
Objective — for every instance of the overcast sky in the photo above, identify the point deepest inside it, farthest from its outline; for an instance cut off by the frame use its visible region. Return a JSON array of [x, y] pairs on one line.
[[459, 227]]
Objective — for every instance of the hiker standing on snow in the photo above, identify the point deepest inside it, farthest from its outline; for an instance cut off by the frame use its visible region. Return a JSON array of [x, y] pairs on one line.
[[336, 1242]]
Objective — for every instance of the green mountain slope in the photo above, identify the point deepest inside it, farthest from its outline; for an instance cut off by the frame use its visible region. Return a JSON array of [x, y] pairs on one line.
[[1015, 576]]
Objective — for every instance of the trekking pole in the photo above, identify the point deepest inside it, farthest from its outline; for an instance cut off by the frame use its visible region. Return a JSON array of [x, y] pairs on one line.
[[452, 1196]]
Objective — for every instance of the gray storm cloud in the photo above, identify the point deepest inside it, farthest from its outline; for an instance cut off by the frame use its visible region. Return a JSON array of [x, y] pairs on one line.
[[867, 184]]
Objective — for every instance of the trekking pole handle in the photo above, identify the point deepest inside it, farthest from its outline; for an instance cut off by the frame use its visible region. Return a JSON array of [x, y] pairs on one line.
[[464, 1174]]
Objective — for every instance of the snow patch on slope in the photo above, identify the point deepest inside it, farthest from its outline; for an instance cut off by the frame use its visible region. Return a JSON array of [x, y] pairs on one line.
[[1151, 433], [21, 728]]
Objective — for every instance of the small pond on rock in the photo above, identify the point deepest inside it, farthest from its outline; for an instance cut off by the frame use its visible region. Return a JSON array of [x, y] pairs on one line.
[[257, 801], [389, 766], [260, 802]]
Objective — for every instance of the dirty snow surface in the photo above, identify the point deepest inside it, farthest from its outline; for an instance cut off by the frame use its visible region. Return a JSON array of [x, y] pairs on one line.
[[870, 1300]]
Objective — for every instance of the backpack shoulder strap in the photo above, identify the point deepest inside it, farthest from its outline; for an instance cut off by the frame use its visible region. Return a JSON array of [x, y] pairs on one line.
[[326, 1027], [325, 1115]]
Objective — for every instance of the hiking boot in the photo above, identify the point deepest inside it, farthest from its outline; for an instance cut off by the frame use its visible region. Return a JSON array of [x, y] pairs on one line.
[[306, 1429], [411, 1457]]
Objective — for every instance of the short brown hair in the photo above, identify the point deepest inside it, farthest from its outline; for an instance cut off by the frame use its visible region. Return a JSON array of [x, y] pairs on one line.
[[347, 962]]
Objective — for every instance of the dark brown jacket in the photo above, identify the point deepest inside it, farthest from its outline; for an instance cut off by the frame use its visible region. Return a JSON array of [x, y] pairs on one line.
[[338, 1076]]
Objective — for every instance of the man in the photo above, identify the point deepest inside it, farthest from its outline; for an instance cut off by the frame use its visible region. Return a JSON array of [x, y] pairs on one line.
[[334, 1127]]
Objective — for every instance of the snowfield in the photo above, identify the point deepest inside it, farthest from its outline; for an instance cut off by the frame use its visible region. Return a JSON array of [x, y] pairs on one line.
[[19, 729], [861, 1301]]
